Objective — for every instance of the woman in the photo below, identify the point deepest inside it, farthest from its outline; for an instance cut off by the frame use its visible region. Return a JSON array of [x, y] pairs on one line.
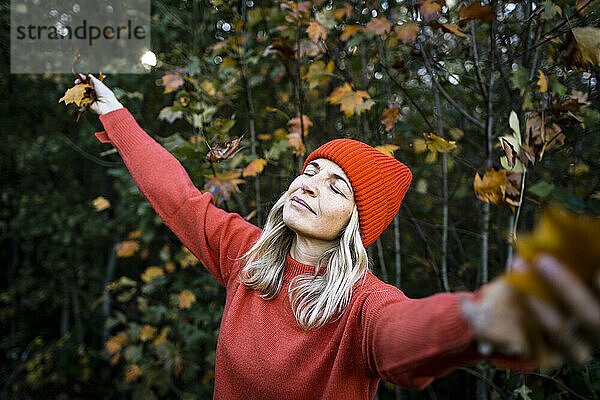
[[304, 318]]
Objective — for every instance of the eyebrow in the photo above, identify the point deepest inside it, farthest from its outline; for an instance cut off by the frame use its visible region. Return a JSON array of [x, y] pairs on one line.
[[316, 165]]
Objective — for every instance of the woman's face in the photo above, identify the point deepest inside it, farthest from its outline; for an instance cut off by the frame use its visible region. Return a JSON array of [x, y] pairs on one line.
[[319, 203]]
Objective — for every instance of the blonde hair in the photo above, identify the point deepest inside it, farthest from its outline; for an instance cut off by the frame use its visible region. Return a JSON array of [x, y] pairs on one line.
[[315, 299]]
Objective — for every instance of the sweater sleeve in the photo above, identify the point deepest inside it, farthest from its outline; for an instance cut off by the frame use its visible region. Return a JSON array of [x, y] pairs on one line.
[[214, 236], [410, 342]]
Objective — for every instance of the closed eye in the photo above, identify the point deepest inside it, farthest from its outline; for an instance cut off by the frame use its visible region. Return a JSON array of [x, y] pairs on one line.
[[335, 190]]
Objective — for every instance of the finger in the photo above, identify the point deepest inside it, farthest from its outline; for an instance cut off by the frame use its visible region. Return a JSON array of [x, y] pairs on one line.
[[572, 293], [559, 333]]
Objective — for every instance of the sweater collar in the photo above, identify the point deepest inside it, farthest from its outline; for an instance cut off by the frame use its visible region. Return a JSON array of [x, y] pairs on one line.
[[294, 268]]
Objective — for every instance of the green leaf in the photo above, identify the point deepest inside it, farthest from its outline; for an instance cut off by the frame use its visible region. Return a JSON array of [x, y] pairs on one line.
[[513, 121], [520, 77], [542, 189], [326, 18]]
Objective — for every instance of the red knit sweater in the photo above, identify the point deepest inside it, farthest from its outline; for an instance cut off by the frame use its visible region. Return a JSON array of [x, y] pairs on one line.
[[262, 352]]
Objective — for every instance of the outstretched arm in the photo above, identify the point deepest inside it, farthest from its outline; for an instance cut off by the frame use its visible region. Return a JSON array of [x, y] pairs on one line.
[[211, 234]]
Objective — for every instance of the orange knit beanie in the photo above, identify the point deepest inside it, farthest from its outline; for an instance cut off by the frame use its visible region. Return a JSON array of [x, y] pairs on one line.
[[378, 180]]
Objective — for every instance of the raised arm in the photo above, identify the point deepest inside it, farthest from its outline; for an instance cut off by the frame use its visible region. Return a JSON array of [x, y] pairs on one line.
[[211, 234]]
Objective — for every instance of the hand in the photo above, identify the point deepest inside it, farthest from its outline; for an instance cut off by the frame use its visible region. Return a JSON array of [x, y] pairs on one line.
[[106, 101], [514, 324]]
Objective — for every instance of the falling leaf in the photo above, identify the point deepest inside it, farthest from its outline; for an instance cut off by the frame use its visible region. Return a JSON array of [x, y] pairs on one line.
[[294, 136], [254, 168], [379, 26], [349, 31], [436, 143], [390, 116], [348, 99], [542, 82], [167, 114], [319, 74], [151, 273], [171, 81], [430, 10], [147, 333], [224, 151], [341, 12], [100, 203], [316, 32], [476, 11], [127, 248], [407, 32], [223, 185], [492, 187], [132, 373], [186, 299], [387, 149]]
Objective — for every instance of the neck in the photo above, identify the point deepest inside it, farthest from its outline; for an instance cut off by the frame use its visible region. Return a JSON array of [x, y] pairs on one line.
[[308, 251]]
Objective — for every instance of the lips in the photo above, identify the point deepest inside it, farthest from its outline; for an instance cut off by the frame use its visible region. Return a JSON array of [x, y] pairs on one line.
[[303, 203]]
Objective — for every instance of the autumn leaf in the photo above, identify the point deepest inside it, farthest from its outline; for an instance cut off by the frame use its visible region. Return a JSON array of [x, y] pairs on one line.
[[134, 234], [186, 299], [281, 47], [223, 185], [430, 10], [319, 74], [151, 273], [115, 343], [379, 26], [438, 144], [224, 151], [573, 239], [147, 333], [208, 87], [387, 149], [170, 266], [294, 136], [390, 116], [188, 258], [171, 81], [407, 32], [454, 29], [100, 203], [79, 94], [350, 101], [542, 82], [316, 32], [127, 248], [349, 31], [476, 11], [132, 373], [587, 46], [341, 12], [492, 187], [254, 168]]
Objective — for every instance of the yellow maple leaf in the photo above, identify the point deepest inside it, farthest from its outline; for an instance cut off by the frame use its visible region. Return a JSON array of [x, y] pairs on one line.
[[151, 273], [348, 99], [492, 187], [100, 203], [316, 31], [147, 333], [127, 248], [387, 149], [132, 373], [542, 82], [254, 168], [186, 299], [77, 95]]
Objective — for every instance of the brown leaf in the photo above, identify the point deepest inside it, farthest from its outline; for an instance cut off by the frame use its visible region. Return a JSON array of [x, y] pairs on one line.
[[454, 29], [476, 11], [224, 151], [349, 31], [379, 26], [341, 12], [316, 32], [492, 187], [132, 373], [407, 32], [294, 136], [513, 190], [430, 10], [389, 117], [511, 155], [282, 47], [171, 81]]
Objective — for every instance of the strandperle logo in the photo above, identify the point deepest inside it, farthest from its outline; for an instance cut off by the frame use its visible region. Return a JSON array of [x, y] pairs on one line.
[[110, 36]]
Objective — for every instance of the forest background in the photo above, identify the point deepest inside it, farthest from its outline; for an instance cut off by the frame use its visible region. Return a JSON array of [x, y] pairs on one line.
[[493, 106]]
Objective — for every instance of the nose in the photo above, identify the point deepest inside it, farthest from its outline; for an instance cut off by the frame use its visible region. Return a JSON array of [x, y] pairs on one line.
[[311, 191]]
